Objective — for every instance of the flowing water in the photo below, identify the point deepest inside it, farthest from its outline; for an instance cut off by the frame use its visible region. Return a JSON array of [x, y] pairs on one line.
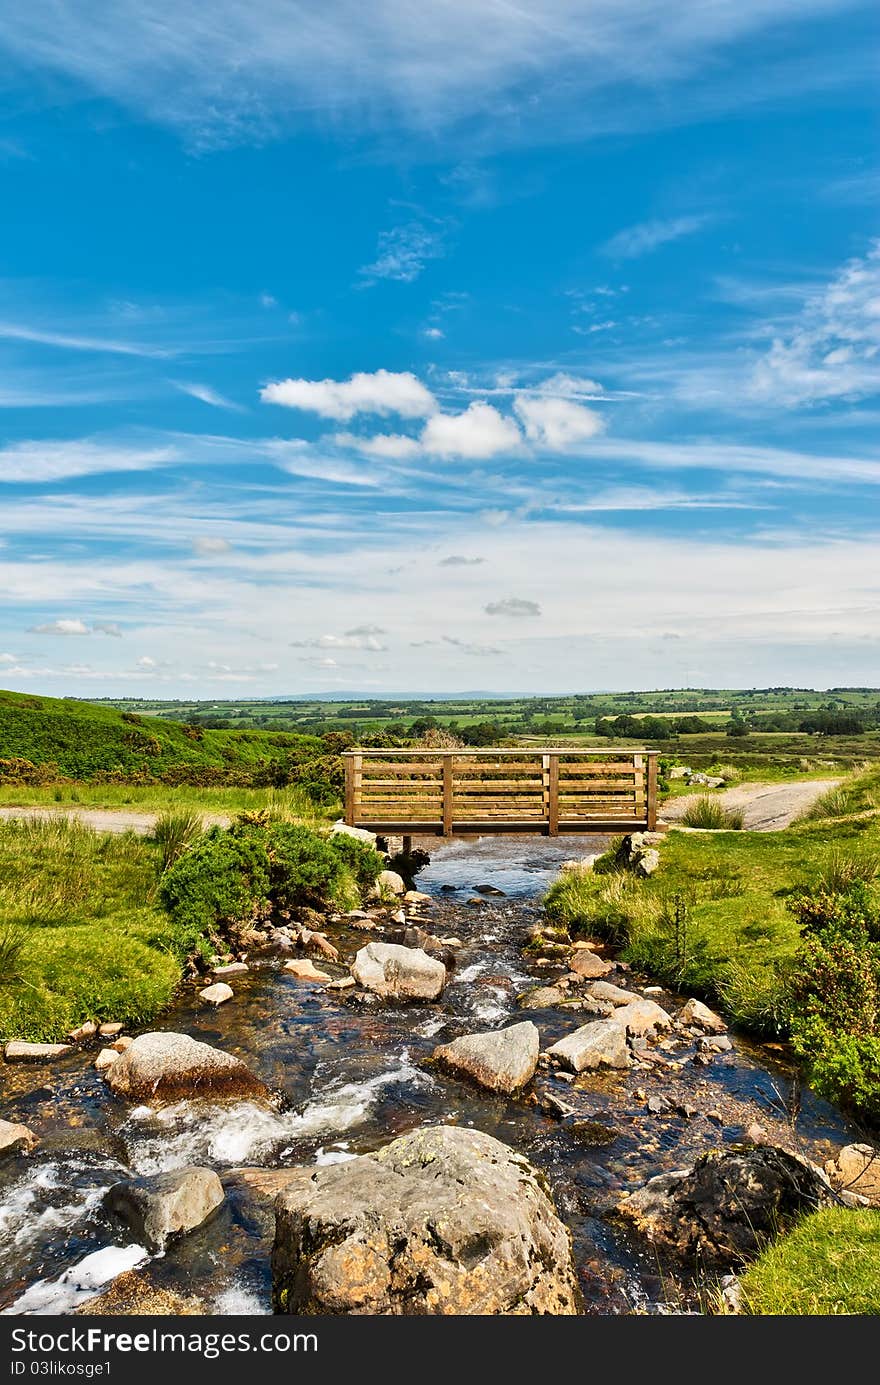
[[353, 1078]]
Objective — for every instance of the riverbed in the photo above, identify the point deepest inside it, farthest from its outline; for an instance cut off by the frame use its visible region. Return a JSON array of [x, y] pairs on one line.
[[353, 1075]]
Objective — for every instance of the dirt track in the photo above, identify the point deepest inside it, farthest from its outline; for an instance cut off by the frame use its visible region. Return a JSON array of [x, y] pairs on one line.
[[766, 807], [106, 819]]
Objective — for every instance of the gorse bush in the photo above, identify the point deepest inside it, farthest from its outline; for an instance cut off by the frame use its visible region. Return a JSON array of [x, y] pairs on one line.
[[835, 994], [259, 867], [711, 814]]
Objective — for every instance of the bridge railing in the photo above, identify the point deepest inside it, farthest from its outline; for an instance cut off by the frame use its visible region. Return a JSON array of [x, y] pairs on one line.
[[552, 791]]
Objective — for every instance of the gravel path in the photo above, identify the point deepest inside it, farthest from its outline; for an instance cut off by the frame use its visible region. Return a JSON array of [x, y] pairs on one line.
[[766, 807], [107, 819]]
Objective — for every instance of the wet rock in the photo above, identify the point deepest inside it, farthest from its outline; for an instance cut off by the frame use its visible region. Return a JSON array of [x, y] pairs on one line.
[[360, 834], [541, 998], [105, 1058], [110, 1031], [389, 882], [555, 1106], [230, 969], [319, 942], [133, 1294], [605, 990], [857, 1169], [504, 1060], [658, 1106], [399, 973], [16, 1139], [724, 1209], [586, 965], [600, 1044], [714, 1043], [165, 1205], [441, 1221], [697, 1015], [344, 983], [19, 1051], [174, 1065], [417, 897], [643, 1017], [418, 937], [122, 1043], [217, 994], [304, 970], [491, 890], [591, 1132]]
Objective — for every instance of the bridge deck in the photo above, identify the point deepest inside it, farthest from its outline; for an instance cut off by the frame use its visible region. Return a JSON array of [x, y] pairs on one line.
[[439, 792]]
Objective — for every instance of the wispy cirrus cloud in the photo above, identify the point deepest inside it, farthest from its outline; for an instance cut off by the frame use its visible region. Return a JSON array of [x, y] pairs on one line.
[[71, 341], [402, 254], [641, 239], [38, 462]]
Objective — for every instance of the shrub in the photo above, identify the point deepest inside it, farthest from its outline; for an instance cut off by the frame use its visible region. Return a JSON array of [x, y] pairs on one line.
[[222, 880], [363, 860], [711, 815]]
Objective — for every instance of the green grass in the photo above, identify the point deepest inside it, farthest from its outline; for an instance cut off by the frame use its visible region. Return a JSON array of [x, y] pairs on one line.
[[161, 798], [828, 1265], [711, 815], [93, 944], [734, 938]]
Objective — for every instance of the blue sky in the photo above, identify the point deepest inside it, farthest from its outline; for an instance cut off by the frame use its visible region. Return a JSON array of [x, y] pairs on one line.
[[467, 346]]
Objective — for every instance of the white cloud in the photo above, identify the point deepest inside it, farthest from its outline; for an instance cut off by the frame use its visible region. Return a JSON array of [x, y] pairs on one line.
[[206, 394], [35, 462], [468, 647], [480, 432], [394, 446], [71, 341], [355, 639], [145, 662], [556, 423], [513, 606], [641, 239], [403, 252], [434, 333], [366, 630], [458, 560], [382, 392], [832, 349], [245, 69], [107, 627], [8, 659], [62, 627], [211, 546]]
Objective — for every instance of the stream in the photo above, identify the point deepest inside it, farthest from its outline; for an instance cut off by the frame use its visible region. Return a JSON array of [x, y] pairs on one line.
[[353, 1078]]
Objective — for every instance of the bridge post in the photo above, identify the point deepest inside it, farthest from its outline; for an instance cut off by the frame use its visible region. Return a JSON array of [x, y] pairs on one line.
[[651, 791], [353, 775], [447, 795]]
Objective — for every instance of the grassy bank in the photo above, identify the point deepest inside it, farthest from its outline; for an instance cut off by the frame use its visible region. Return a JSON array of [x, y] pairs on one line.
[[828, 1265], [292, 801], [716, 918], [99, 926]]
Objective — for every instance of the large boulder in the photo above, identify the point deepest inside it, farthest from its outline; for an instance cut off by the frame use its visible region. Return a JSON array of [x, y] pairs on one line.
[[724, 1209], [600, 1044], [167, 1065], [441, 1221], [165, 1204], [16, 1139], [389, 882], [360, 834], [399, 973], [503, 1060]]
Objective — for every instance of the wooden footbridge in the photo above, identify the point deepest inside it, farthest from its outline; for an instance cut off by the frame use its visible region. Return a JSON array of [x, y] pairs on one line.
[[441, 792]]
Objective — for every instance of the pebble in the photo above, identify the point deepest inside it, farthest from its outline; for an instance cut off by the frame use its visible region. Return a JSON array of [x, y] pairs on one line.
[[304, 970], [217, 994], [230, 969]]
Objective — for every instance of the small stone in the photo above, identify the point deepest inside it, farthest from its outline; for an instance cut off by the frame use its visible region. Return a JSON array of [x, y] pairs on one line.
[[695, 1013], [587, 965], [658, 1105], [105, 1058], [19, 1051], [304, 970], [857, 1170], [417, 897], [217, 994], [490, 890], [344, 983], [122, 1043], [16, 1139], [604, 990], [110, 1031], [756, 1134], [398, 916], [452, 942], [716, 1043], [554, 1106], [230, 969], [83, 1031], [389, 882], [642, 1017], [540, 998]]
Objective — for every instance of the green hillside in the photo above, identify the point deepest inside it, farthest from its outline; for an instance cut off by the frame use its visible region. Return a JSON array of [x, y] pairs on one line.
[[46, 738]]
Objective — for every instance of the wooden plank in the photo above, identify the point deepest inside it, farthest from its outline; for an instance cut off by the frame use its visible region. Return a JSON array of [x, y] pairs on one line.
[[652, 792], [553, 813], [447, 798]]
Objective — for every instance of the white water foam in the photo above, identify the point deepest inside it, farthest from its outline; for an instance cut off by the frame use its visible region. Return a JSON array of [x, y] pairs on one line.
[[24, 1219], [241, 1133], [78, 1283], [240, 1301]]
